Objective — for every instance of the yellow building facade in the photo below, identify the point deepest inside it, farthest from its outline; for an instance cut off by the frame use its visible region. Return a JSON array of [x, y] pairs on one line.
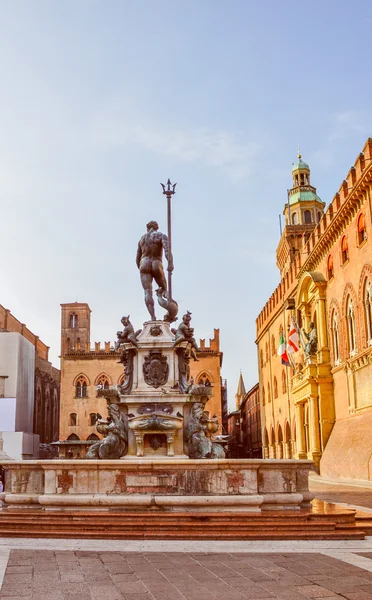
[[321, 406], [83, 368]]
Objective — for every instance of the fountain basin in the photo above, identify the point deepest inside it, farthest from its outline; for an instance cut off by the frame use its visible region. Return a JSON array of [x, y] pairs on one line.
[[155, 422]]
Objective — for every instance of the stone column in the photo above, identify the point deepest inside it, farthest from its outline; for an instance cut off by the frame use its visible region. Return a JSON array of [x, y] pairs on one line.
[[265, 451], [322, 324], [293, 448], [272, 453], [314, 433], [288, 449], [300, 432], [323, 346], [279, 450]]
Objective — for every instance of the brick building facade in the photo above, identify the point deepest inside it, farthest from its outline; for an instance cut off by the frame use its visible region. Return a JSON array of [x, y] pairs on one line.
[[244, 423], [321, 406]]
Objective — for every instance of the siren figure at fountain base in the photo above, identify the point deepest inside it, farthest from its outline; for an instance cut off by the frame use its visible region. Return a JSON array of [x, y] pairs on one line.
[[115, 432]]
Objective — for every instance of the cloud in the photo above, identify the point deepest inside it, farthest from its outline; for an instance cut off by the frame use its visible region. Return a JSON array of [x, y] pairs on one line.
[[218, 149]]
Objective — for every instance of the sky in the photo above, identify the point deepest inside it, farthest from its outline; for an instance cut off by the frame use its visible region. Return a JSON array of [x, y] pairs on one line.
[[102, 101]]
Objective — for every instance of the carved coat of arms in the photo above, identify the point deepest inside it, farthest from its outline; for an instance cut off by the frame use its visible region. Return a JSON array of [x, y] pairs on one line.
[[155, 369]]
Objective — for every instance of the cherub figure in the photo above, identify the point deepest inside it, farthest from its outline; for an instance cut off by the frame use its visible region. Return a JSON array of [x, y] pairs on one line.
[[185, 333], [128, 335]]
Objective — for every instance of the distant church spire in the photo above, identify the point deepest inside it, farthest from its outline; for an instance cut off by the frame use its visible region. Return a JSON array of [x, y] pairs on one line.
[[240, 392]]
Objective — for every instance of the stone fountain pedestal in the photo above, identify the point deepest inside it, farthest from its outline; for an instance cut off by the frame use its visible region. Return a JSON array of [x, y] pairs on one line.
[[154, 400]]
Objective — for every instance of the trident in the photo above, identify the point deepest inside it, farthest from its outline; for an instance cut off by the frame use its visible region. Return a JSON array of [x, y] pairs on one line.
[[169, 191]]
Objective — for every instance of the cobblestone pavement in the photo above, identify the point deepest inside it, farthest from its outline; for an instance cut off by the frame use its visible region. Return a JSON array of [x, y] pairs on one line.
[[342, 493], [89, 575]]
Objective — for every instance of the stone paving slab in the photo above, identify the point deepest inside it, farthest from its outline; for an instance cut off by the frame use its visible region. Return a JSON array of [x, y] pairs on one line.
[[341, 493], [46, 574]]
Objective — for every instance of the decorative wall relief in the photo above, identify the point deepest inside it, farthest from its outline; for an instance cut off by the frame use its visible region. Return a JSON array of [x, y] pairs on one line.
[[145, 409], [155, 369]]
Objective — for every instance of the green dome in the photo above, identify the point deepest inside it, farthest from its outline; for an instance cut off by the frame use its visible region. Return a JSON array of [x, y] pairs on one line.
[[304, 197], [300, 164]]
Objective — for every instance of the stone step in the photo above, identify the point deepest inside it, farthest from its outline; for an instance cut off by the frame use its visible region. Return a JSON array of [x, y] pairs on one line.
[[189, 535], [166, 525]]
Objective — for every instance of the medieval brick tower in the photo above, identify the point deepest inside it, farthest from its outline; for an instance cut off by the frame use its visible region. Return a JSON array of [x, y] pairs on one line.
[[75, 327]]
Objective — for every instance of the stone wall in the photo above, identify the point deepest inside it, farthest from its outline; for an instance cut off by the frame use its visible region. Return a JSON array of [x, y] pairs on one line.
[[191, 484]]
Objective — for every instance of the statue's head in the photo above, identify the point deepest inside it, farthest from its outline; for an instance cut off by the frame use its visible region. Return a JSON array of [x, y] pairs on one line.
[[311, 325], [187, 317], [125, 320], [152, 226], [197, 410], [113, 411]]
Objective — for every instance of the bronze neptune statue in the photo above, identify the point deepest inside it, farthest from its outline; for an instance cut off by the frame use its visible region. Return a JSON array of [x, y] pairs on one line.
[[150, 263]]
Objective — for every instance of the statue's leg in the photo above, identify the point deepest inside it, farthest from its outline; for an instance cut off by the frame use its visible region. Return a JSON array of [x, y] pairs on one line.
[[158, 272], [146, 280], [179, 338]]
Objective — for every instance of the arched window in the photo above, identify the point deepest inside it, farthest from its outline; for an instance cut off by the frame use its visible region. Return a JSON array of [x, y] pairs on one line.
[[103, 382], [261, 358], [266, 352], [72, 419], [93, 436], [330, 267], [294, 219], [350, 316], [268, 393], [362, 234], [263, 396], [92, 419], [78, 344], [68, 344], [335, 338], [284, 382], [307, 216], [204, 380], [74, 321], [273, 347], [73, 436], [121, 379], [344, 250], [318, 216], [367, 300], [81, 387], [275, 388]]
